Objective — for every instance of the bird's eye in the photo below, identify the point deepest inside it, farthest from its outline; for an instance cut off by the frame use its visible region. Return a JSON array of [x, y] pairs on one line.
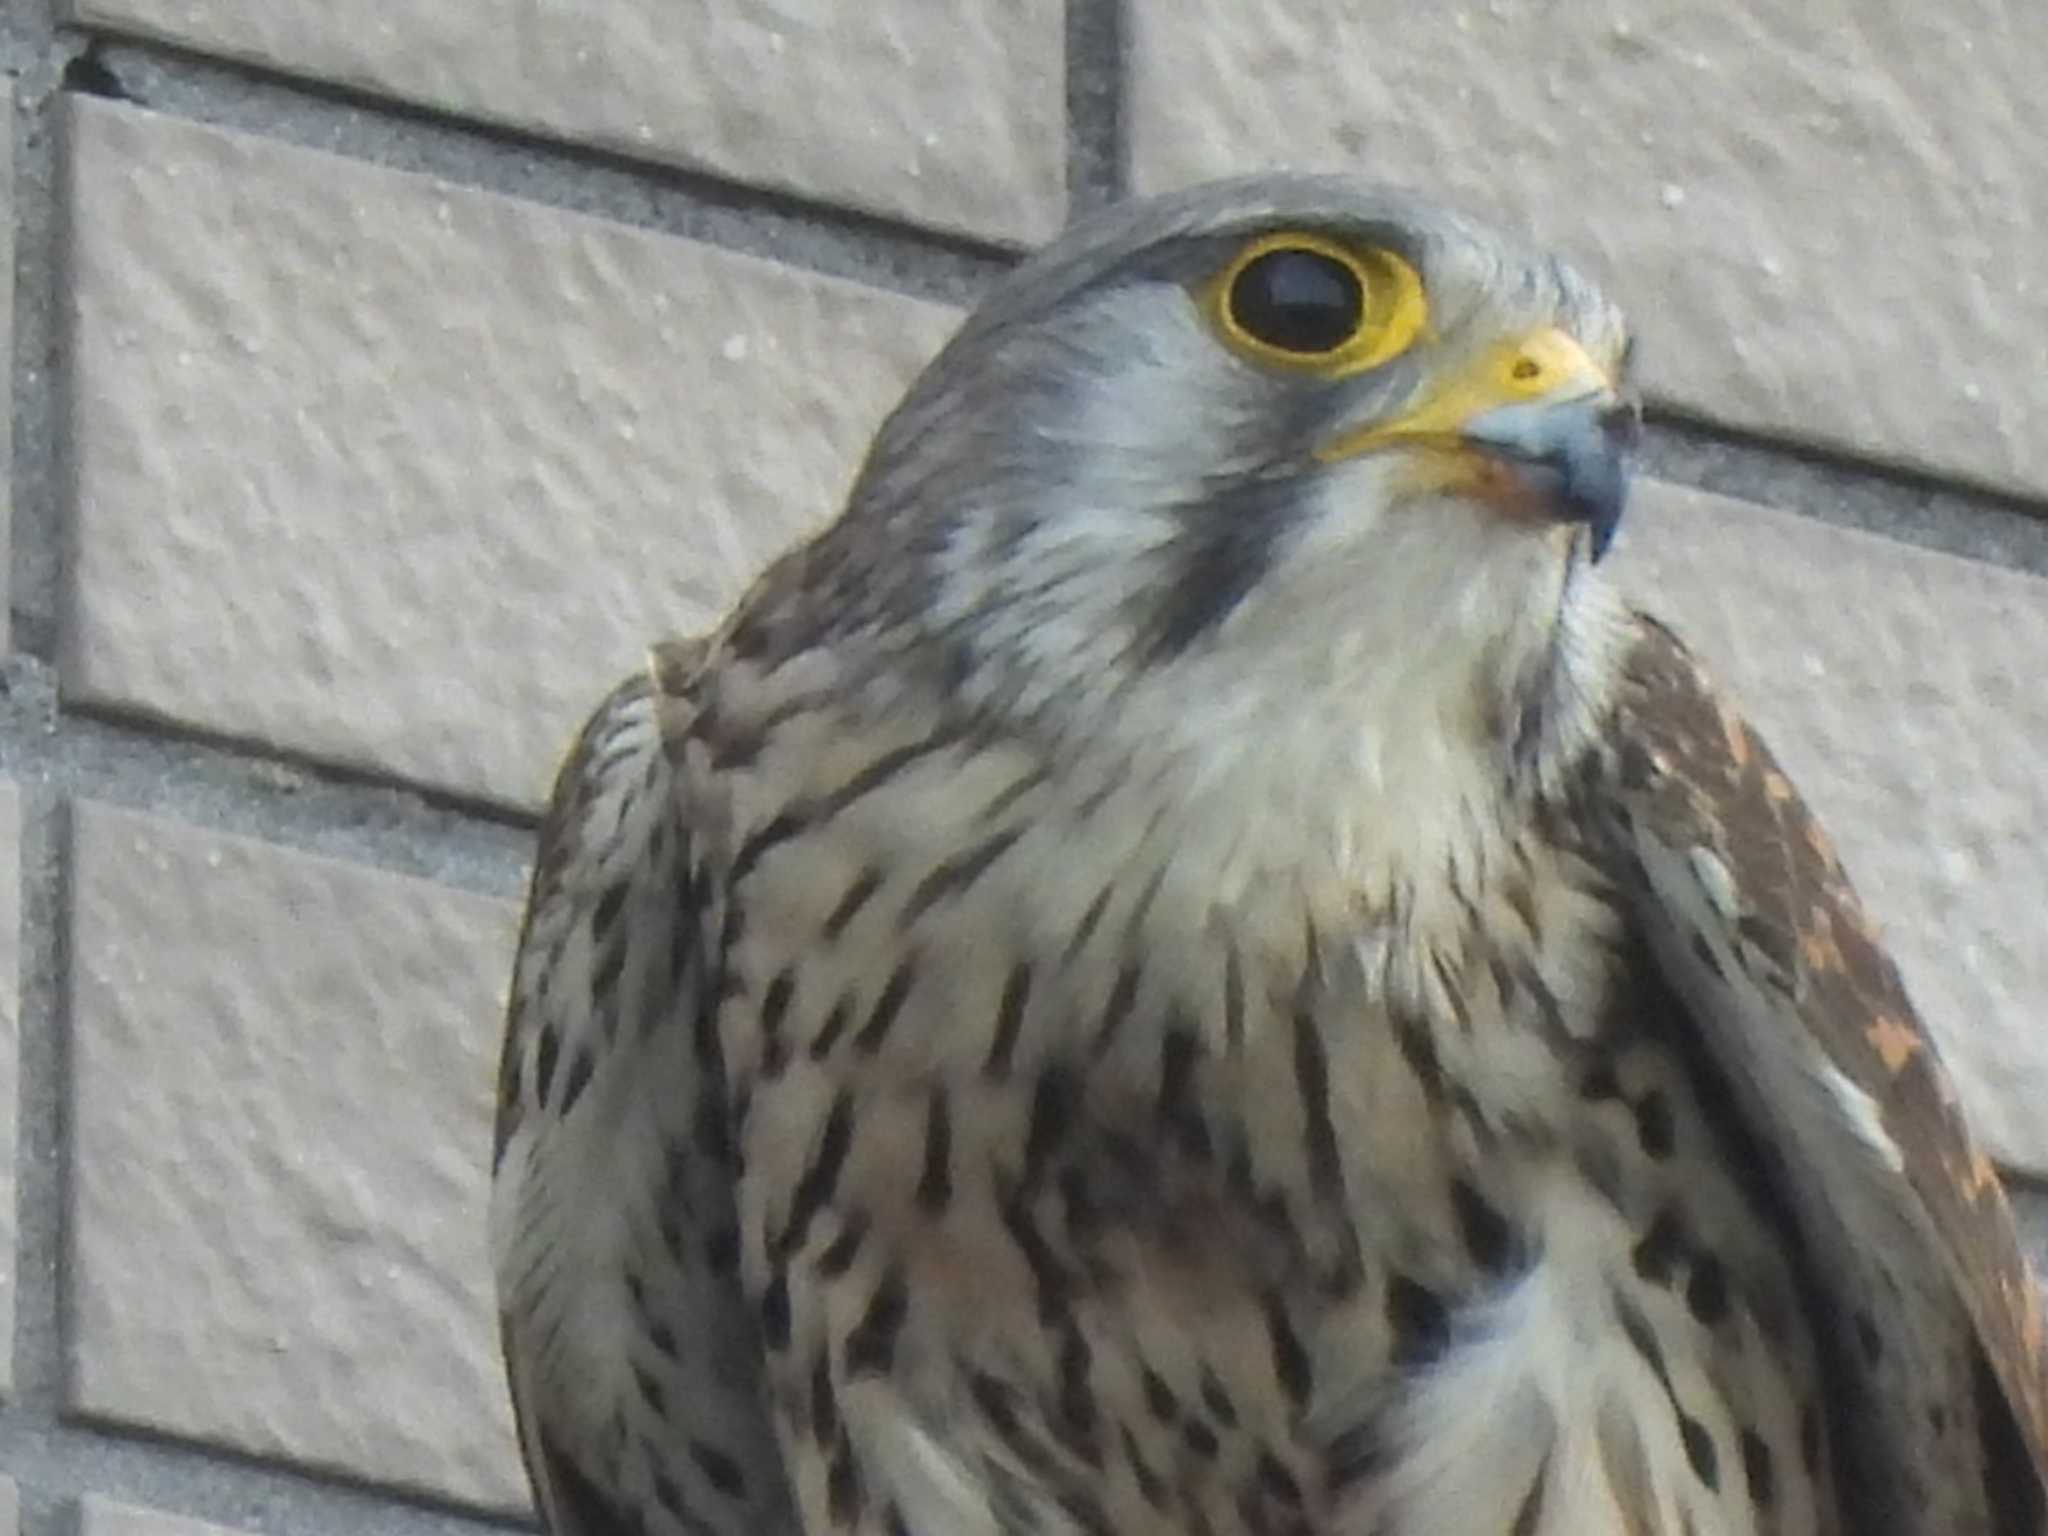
[[1298, 300], [1303, 300]]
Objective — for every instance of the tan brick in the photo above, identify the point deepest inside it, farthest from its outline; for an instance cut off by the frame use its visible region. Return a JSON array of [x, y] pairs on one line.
[[402, 476], [100, 1516], [1901, 689], [1828, 219], [282, 1089], [951, 116]]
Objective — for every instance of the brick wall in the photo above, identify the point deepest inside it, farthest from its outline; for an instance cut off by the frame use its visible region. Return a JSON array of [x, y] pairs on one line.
[[386, 372]]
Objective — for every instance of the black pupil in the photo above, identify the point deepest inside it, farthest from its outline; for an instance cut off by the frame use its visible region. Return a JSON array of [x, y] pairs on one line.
[[1298, 301]]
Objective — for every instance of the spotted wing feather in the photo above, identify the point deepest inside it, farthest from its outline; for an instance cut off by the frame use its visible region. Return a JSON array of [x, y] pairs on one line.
[[635, 1370], [1936, 1367]]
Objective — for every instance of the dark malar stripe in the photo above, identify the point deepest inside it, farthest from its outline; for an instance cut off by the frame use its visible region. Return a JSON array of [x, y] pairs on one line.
[[1312, 1082]]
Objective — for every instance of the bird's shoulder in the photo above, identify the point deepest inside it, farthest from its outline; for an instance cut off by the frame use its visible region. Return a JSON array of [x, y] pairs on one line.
[[628, 1339], [1796, 1002]]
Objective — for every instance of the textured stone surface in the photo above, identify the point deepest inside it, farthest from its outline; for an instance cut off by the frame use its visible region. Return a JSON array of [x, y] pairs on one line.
[[282, 1087], [7, 220], [10, 1039], [1902, 690], [2030, 1211], [1828, 217], [463, 457], [105, 1517], [950, 115]]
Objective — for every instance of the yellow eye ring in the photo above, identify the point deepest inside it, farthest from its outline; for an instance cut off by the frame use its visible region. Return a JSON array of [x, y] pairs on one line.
[[1304, 301]]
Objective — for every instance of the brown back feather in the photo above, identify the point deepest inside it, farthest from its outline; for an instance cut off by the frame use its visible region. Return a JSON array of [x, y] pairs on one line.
[[1689, 773]]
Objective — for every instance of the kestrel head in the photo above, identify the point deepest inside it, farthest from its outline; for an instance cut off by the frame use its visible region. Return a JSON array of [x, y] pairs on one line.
[[1269, 448]]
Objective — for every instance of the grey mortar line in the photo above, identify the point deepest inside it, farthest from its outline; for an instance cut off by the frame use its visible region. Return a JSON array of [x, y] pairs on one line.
[[836, 241], [41, 1151], [1928, 511], [250, 791], [63, 1462], [1098, 151], [34, 57], [1920, 509]]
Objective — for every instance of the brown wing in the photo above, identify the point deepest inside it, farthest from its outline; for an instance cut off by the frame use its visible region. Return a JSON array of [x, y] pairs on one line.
[[1936, 1344], [636, 1374]]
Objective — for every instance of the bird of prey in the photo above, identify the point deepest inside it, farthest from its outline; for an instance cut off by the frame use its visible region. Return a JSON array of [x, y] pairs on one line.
[[1187, 967]]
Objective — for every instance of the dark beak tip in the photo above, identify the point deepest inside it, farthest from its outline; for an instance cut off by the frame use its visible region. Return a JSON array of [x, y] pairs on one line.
[[1597, 476], [1622, 423]]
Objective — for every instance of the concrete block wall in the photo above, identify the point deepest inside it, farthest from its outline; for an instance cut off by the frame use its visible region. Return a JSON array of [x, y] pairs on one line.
[[384, 375]]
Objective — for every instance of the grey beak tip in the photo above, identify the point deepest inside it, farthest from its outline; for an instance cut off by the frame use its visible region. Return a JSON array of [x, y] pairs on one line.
[[1589, 445]]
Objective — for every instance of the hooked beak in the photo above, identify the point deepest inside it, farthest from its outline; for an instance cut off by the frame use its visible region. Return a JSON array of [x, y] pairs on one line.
[[1536, 427]]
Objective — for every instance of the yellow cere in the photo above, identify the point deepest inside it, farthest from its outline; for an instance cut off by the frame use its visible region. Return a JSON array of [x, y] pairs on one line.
[[1395, 308], [1545, 363]]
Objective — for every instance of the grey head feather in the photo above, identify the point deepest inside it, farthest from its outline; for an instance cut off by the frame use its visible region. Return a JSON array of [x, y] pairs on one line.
[[1087, 487]]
